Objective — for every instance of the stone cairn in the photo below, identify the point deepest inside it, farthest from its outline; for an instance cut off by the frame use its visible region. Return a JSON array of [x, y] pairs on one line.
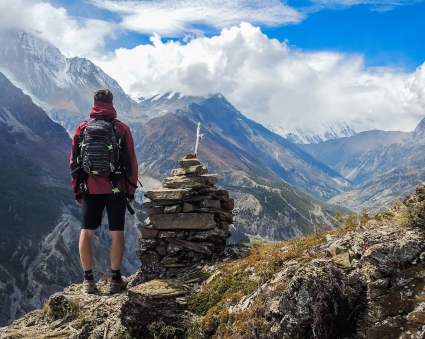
[[188, 220]]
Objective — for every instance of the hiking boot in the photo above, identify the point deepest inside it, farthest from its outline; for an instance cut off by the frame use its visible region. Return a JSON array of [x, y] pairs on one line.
[[88, 286], [117, 286]]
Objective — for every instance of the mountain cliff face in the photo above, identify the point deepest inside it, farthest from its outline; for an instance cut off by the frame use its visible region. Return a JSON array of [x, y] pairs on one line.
[[63, 87], [364, 280], [40, 221]]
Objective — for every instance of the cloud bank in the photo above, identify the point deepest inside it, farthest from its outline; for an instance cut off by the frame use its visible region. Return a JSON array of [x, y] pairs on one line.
[[73, 36], [262, 77], [273, 84]]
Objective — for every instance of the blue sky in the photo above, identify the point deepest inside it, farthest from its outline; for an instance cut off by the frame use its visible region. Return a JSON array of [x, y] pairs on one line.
[[389, 38]]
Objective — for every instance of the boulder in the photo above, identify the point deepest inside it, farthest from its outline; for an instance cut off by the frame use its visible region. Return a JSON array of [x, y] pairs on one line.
[[183, 221], [156, 299]]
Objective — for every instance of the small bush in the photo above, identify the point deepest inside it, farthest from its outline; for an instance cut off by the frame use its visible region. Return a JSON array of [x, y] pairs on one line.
[[337, 299]]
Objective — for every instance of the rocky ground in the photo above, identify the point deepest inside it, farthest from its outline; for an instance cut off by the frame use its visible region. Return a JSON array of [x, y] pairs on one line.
[[364, 280]]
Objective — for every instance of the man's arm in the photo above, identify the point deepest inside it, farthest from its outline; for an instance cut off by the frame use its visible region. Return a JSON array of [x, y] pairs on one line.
[[74, 167], [133, 177]]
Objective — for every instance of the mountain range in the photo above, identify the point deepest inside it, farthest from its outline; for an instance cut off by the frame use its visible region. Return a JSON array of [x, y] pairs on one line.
[[45, 96], [283, 188], [385, 166], [320, 133], [62, 86]]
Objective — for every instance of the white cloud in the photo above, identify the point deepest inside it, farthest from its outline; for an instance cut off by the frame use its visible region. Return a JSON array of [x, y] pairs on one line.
[[330, 3], [173, 18], [272, 84], [73, 36]]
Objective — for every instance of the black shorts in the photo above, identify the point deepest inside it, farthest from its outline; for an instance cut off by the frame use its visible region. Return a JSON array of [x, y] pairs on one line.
[[93, 206]]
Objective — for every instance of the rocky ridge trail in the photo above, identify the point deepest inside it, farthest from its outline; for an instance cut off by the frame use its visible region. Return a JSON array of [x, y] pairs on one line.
[[364, 280], [73, 314]]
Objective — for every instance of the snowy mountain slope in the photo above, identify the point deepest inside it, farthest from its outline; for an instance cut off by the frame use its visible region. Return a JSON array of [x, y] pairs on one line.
[[320, 133], [162, 103], [62, 86]]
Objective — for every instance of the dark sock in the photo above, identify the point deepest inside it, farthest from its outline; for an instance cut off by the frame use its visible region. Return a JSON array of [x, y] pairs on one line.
[[88, 275], [116, 275]]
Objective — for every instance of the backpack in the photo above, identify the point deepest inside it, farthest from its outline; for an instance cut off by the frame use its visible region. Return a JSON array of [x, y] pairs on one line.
[[99, 153], [99, 149]]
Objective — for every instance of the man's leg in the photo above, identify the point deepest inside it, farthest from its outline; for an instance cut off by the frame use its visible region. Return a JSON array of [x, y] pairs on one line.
[[117, 249], [116, 206], [86, 249], [92, 209]]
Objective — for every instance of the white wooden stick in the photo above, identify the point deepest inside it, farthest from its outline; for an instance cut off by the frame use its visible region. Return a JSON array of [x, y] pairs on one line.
[[198, 137]]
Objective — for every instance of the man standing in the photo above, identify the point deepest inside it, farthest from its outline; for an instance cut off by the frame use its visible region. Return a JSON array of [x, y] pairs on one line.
[[104, 174]]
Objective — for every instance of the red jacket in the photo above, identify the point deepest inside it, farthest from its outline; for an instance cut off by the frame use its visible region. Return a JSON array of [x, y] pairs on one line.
[[101, 184]]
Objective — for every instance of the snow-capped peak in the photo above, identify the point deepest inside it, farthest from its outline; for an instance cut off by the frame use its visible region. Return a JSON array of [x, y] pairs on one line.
[[321, 132]]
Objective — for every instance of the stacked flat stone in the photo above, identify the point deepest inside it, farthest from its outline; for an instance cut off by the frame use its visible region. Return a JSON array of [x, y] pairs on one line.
[[188, 220]]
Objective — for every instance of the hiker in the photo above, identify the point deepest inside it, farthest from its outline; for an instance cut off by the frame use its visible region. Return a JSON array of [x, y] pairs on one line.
[[104, 174]]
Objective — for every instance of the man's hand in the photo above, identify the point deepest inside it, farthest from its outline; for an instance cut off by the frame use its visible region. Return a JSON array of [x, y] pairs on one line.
[[79, 202], [130, 200]]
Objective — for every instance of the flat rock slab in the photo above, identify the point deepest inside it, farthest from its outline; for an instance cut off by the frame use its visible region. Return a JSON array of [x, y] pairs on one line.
[[199, 170], [185, 182], [173, 209], [210, 203], [168, 194], [228, 204], [202, 247], [186, 163], [215, 235], [184, 221], [155, 300], [156, 210], [149, 234], [176, 202]]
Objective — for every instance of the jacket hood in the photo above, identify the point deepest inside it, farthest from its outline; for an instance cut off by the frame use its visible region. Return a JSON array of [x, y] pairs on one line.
[[103, 110]]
